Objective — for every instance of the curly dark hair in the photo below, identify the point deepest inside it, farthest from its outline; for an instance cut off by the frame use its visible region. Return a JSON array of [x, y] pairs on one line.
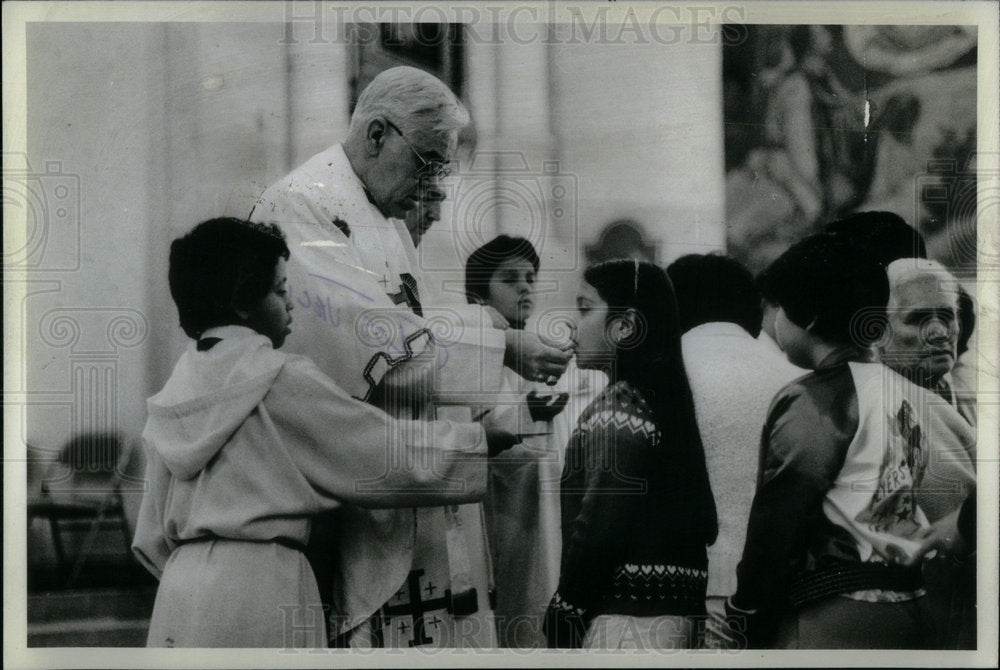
[[220, 266]]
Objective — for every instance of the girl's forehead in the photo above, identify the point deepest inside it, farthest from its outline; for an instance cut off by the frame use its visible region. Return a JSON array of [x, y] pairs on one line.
[[515, 264]]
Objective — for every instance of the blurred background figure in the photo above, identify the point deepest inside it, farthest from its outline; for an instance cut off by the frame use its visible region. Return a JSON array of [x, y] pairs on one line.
[[734, 373], [965, 385], [622, 238]]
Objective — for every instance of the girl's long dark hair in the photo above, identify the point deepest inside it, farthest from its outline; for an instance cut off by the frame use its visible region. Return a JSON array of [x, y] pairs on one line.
[[651, 362]]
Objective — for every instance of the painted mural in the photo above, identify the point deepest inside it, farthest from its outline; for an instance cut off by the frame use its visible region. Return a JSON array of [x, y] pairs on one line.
[[822, 121]]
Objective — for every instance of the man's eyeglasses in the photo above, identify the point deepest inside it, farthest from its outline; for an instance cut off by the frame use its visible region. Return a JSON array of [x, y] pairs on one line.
[[436, 169]]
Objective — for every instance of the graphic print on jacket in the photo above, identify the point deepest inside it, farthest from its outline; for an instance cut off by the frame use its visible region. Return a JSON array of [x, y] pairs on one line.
[[893, 507]]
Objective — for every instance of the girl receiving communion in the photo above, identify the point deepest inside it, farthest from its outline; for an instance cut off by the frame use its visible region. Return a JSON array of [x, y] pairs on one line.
[[637, 507]]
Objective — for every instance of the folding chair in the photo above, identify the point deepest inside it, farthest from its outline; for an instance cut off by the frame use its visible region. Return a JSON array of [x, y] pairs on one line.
[[87, 496]]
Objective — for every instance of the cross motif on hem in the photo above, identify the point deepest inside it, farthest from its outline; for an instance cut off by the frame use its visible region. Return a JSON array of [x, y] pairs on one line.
[[416, 609]]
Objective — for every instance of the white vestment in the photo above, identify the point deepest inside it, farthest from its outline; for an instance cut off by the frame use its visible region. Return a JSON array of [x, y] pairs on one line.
[[355, 284], [522, 503]]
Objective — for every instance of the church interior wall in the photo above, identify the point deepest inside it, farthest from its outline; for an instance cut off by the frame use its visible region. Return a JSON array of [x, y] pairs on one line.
[[193, 120]]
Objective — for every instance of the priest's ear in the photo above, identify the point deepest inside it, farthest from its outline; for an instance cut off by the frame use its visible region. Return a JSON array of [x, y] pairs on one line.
[[375, 135]]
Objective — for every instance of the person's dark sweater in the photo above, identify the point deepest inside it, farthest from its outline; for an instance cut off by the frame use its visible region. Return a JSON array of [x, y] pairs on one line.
[[633, 541]]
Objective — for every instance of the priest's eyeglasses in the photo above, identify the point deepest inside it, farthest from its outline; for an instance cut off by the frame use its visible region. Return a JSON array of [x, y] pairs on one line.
[[436, 169]]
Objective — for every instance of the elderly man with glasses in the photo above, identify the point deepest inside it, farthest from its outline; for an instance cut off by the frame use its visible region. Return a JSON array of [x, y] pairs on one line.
[[414, 576]]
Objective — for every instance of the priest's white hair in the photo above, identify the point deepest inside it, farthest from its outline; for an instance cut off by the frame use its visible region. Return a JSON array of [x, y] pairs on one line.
[[416, 101]]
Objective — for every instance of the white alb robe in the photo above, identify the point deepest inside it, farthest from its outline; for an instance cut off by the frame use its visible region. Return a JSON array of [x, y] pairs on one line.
[[351, 274], [522, 503], [244, 445]]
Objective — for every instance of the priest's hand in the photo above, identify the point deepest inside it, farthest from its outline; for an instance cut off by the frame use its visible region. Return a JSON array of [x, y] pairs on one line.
[[498, 441], [532, 359]]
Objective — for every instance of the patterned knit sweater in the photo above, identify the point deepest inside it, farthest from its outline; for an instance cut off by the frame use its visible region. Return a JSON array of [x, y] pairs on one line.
[[632, 541]]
